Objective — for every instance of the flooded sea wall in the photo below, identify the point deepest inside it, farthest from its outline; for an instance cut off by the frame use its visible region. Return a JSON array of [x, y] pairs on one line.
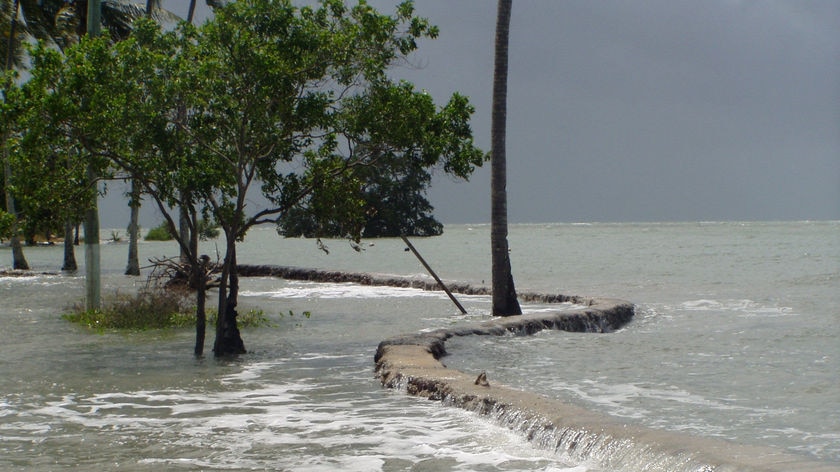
[[413, 363]]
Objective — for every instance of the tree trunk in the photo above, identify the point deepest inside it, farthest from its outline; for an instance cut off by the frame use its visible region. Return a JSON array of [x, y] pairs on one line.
[[199, 268], [191, 12], [94, 17], [133, 266], [69, 251], [504, 293], [200, 281], [18, 259], [228, 339], [184, 231]]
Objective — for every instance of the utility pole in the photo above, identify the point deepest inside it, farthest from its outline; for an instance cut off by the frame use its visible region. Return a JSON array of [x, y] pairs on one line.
[[93, 282]]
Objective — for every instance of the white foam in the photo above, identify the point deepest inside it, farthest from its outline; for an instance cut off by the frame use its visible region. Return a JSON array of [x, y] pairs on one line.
[[743, 307], [342, 290], [255, 422]]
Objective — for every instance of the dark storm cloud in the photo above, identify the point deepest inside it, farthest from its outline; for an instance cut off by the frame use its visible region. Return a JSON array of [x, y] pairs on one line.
[[650, 110], [645, 111]]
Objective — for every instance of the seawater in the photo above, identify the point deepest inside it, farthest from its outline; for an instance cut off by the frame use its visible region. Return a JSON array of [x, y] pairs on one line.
[[736, 336]]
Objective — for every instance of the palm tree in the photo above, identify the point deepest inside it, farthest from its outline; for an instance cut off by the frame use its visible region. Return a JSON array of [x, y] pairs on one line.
[[504, 293], [13, 59]]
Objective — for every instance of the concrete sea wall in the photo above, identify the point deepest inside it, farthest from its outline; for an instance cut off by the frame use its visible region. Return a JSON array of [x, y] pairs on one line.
[[413, 363]]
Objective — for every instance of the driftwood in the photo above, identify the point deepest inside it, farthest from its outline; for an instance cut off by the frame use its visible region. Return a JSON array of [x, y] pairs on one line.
[[173, 273]]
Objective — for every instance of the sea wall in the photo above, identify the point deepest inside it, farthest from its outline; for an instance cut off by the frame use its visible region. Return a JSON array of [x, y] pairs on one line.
[[335, 276], [412, 363]]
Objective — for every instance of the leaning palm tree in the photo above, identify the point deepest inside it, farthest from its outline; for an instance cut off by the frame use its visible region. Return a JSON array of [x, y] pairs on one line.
[[504, 293]]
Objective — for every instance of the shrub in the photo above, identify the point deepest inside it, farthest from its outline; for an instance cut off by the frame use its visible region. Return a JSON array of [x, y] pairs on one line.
[[159, 233], [207, 229], [152, 309], [147, 309]]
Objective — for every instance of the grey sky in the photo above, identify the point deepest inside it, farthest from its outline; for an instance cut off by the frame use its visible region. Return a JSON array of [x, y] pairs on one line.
[[659, 110]]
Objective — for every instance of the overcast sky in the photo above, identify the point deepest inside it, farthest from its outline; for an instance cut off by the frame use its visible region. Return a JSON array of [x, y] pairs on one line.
[[656, 110]]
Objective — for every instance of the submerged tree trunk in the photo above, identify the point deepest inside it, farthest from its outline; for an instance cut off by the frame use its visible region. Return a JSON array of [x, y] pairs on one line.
[[133, 266], [504, 293], [18, 259], [228, 339], [199, 270], [200, 282], [69, 251]]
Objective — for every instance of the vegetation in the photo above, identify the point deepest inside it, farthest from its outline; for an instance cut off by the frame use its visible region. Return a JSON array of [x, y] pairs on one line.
[[159, 233], [6, 222], [395, 205], [150, 309], [294, 102], [206, 230]]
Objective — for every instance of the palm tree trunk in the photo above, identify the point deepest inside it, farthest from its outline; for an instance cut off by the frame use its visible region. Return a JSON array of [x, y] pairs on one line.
[[133, 266], [191, 12], [504, 293], [18, 259]]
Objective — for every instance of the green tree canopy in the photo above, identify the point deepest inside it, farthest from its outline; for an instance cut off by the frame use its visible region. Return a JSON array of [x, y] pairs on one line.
[[291, 102]]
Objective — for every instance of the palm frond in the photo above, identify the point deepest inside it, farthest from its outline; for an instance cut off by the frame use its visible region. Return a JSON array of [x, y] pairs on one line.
[[118, 16], [8, 15]]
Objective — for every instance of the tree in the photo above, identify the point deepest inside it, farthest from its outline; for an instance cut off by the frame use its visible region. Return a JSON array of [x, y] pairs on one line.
[[13, 59], [265, 97], [285, 83], [60, 23], [504, 292], [47, 171], [269, 90], [402, 129], [133, 264], [395, 205]]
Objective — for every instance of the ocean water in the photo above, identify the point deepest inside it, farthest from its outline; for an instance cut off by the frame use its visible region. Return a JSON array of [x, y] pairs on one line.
[[737, 336]]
